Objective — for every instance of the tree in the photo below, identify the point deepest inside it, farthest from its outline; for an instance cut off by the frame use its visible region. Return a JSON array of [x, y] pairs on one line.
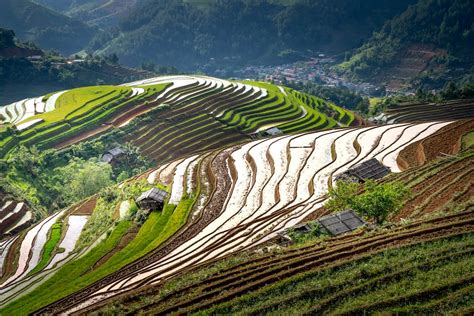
[[7, 38], [341, 195], [113, 58], [376, 202], [82, 178], [380, 200]]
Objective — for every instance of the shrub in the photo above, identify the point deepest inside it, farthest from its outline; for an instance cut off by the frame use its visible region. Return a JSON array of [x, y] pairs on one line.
[[376, 202]]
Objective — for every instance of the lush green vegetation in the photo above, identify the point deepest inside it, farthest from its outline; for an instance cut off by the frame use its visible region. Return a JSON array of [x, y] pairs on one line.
[[468, 140], [49, 247], [294, 111], [89, 107], [338, 95], [249, 31], [68, 278], [49, 29], [377, 201], [52, 179], [159, 227], [445, 24]]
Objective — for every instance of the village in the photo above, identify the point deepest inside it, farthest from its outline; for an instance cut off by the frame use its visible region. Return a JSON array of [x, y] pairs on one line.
[[315, 69]]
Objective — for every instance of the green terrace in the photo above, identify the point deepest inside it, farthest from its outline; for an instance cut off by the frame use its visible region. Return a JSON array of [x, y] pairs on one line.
[[76, 111]]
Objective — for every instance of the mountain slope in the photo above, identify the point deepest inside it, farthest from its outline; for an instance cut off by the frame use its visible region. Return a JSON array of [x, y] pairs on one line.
[[184, 114], [47, 28], [102, 13], [431, 36], [220, 202], [242, 32]]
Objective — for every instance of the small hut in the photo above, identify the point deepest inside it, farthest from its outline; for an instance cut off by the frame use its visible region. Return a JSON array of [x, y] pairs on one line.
[[152, 199], [341, 222], [370, 169], [113, 156]]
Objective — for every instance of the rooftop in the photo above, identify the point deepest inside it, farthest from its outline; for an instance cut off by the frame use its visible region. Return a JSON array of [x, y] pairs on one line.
[[341, 222], [370, 169], [154, 194], [273, 131]]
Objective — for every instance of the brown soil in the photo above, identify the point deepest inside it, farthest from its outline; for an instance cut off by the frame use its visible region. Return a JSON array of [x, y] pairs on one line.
[[467, 195], [86, 208], [293, 261], [82, 136], [447, 194], [320, 212], [11, 260], [409, 62], [447, 141], [269, 274], [426, 188]]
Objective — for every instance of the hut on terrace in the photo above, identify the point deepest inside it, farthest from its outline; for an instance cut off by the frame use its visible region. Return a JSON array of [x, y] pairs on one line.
[[273, 131], [113, 156], [152, 199], [341, 222], [370, 169]]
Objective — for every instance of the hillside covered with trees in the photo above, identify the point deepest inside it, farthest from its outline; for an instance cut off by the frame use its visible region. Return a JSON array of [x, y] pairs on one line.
[[49, 29], [186, 35], [431, 39]]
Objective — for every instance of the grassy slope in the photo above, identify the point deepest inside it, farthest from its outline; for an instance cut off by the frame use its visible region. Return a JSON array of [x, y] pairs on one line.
[[53, 240], [76, 275], [393, 273], [76, 110], [293, 101], [421, 266]]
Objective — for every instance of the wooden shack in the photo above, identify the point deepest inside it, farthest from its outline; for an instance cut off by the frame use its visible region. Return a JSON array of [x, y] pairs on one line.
[[152, 199], [113, 156]]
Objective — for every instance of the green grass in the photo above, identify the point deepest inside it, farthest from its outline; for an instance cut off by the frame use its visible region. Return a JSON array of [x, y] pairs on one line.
[[420, 266], [69, 278], [49, 247], [283, 110], [75, 275], [76, 110], [79, 100], [467, 140]]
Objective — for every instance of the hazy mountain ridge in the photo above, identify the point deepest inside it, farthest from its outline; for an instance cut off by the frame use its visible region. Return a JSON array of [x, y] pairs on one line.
[[43, 26], [102, 13]]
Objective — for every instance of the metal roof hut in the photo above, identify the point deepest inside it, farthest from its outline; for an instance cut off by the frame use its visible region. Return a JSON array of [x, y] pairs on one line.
[[370, 169], [152, 199], [113, 155], [274, 131], [341, 222]]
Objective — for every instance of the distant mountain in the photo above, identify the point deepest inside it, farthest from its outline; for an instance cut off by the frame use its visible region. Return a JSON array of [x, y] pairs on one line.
[[240, 32], [47, 28], [26, 70], [102, 13], [431, 42]]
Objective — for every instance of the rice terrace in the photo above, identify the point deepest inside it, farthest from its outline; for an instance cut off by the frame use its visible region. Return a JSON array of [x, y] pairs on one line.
[[283, 179]]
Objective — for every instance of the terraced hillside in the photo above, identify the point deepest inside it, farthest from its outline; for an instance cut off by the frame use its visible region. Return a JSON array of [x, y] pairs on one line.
[[324, 275], [14, 216], [220, 202], [189, 114], [398, 270], [424, 112]]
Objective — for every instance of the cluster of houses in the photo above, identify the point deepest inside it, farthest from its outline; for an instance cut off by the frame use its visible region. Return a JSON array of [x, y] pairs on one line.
[[36, 59], [312, 70]]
